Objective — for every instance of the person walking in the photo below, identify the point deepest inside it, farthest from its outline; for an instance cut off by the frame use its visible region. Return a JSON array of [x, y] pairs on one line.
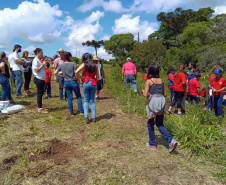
[[17, 67], [179, 89], [194, 88], [38, 69], [27, 72], [71, 85], [4, 79], [48, 80], [129, 73], [89, 80], [218, 87], [155, 92], [57, 62], [170, 74], [100, 81]]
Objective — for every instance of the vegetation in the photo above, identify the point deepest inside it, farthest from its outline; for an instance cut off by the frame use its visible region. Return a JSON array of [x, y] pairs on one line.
[[93, 43]]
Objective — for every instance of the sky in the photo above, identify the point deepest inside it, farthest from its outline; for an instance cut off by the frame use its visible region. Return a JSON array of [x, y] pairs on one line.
[[55, 24]]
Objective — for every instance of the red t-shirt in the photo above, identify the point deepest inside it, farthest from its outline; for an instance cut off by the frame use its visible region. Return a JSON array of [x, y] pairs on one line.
[[171, 77], [211, 78], [193, 85], [203, 93], [178, 82], [146, 77], [48, 76], [219, 84], [89, 76]]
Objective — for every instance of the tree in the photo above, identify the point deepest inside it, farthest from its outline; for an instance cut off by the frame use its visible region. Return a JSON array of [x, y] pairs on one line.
[[95, 44], [148, 52], [76, 60], [120, 45]]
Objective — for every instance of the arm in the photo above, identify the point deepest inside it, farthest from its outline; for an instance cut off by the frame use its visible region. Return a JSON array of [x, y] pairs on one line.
[[97, 73], [164, 91], [102, 73], [40, 68], [77, 72], [3, 67], [145, 92], [198, 90], [123, 74], [20, 62]]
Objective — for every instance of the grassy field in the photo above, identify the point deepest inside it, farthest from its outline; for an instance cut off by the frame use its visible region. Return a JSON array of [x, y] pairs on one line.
[[57, 149]]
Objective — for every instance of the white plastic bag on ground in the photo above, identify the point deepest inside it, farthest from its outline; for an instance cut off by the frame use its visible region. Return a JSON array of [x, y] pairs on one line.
[[11, 109]]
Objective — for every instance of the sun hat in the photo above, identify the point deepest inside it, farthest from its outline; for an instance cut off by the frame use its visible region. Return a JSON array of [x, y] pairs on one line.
[[95, 57], [198, 75], [129, 59], [61, 51], [217, 71]]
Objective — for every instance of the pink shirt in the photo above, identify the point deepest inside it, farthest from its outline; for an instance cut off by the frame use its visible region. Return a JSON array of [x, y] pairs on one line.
[[129, 68], [57, 62]]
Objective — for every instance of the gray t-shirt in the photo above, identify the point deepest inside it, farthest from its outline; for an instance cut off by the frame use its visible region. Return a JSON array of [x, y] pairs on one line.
[[68, 69]]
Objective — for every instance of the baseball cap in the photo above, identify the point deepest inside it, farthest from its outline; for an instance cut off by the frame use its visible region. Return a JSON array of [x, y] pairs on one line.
[[198, 75], [217, 71], [129, 59]]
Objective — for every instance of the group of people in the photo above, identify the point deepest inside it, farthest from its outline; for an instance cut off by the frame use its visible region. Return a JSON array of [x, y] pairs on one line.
[[90, 74]]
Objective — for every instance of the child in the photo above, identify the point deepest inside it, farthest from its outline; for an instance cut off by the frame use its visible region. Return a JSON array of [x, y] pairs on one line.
[[48, 80], [170, 74], [156, 93], [146, 75], [194, 88]]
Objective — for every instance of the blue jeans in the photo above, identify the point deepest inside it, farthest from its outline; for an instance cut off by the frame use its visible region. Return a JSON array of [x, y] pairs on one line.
[[171, 94], [159, 123], [218, 100], [61, 86], [195, 99], [12, 77], [48, 89], [131, 79], [209, 106], [19, 81], [6, 89], [89, 91], [70, 87]]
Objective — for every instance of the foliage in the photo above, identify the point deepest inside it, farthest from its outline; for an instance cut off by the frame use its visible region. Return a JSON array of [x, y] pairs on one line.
[[148, 52], [119, 46], [93, 43], [76, 60]]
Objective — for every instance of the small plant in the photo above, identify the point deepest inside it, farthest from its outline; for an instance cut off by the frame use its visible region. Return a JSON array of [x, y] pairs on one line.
[[24, 160], [97, 133]]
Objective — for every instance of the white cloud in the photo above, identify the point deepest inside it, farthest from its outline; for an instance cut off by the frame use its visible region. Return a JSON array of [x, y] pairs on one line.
[[127, 24], [220, 10], [112, 5], [105, 37], [103, 54], [30, 49], [35, 22], [83, 30]]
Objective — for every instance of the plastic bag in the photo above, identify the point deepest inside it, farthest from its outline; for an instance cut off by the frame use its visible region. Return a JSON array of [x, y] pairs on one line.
[[11, 109]]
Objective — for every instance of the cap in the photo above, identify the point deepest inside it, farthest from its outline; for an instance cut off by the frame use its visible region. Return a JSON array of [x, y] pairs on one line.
[[198, 75], [217, 71], [129, 59], [172, 69]]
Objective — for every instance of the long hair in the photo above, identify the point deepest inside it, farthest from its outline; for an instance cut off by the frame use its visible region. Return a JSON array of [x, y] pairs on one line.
[[23, 54], [67, 55], [2, 55], [89, 64], [182, 66], [153, 71]]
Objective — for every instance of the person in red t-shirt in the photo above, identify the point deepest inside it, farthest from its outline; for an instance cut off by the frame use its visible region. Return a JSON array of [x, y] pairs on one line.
[[194, 88], [170, 74], [218, 87], [48, 80], [146, 75], [179, 89]]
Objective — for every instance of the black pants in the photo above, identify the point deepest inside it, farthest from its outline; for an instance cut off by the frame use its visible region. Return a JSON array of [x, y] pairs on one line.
[[177, 98], [48, 89], [40, 85], [27, 77]]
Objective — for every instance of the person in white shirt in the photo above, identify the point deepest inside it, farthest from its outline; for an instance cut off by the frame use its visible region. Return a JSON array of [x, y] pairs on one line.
[[16, 63], [13, 78], [38, 69]]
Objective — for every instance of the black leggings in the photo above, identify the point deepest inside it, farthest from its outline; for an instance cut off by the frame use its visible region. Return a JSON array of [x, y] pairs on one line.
[[177, 98], [27, 77], [40, 85]]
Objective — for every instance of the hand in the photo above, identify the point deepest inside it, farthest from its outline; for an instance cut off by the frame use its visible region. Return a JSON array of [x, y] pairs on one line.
[[123, 78], [142, 91], [30, 62], [103, 80], [44, 63], [55, 78]]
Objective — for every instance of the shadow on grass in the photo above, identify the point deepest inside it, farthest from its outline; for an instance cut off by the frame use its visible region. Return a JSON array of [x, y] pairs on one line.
[[105, 98], [23, 102], [105, 116], [58, 108]]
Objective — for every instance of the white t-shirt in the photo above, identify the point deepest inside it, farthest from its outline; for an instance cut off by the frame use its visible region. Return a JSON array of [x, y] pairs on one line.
[[99, 69], [15, 67], [41, 75], [10, 60]]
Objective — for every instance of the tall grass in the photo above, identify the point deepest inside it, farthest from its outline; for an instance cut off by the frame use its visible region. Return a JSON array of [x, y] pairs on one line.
[[199, 130]]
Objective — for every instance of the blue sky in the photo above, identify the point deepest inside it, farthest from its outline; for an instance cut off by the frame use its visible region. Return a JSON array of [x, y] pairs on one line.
[[54, 24]]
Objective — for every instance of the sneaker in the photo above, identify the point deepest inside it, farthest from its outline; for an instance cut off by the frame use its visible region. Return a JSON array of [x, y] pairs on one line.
[[152, 147], [11, 102], [72, 115], [81, 114], [169, 112], [44, 111], [97, 98], [173, 145], [87, 121], [93, 119]]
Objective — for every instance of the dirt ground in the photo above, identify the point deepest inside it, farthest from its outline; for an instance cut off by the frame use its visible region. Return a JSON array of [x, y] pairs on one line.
[[55, 149]]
